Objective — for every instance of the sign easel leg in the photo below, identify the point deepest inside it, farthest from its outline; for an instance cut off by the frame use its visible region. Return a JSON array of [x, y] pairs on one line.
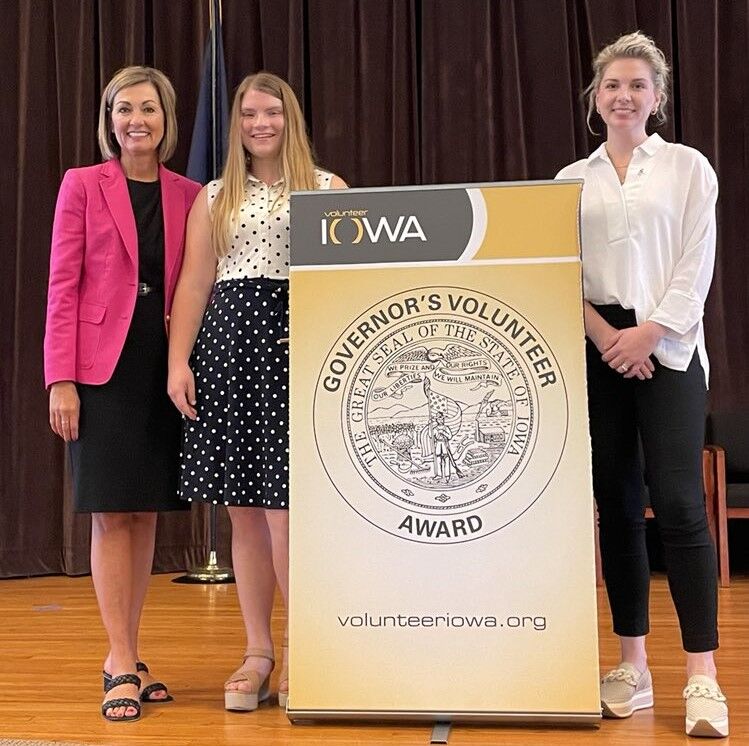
[[440, 733]]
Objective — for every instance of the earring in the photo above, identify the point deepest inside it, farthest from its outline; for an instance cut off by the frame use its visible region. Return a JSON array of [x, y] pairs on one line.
[[655, 111]]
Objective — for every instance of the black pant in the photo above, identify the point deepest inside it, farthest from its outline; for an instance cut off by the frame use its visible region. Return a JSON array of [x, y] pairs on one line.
[[668, 412]]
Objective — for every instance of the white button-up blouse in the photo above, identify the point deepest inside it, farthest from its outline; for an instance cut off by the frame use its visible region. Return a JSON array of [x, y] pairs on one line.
[[649, 243]]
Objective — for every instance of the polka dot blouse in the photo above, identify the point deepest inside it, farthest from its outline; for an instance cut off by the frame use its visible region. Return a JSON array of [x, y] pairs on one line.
[[259, 245]]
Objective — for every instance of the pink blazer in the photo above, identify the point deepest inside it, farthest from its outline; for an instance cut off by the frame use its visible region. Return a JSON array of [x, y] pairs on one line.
[[93, 273]]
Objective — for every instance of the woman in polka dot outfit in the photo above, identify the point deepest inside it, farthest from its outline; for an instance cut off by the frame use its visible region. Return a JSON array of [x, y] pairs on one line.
[[233, 391]]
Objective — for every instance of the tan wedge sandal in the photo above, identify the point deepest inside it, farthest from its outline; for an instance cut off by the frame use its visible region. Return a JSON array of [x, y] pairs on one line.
[[283, 679], [248, 700]]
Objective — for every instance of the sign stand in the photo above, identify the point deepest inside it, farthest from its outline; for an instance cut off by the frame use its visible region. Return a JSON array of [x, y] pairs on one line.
[[440, 733], [441, 498]]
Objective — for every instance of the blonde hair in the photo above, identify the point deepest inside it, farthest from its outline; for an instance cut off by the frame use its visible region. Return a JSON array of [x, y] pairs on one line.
[[125, 78], [633, 46], [297, 161]]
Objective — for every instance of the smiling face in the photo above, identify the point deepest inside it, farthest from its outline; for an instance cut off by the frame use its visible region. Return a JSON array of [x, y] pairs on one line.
[[262, 124], [138, 120], [627, 96]]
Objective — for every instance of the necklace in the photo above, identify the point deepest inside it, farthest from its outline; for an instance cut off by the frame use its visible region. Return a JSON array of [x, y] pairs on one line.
[[620, 166]]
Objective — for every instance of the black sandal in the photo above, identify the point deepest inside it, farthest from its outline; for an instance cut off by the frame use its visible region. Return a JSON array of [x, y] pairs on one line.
[[157, 686], [147, 691], [125, 678]]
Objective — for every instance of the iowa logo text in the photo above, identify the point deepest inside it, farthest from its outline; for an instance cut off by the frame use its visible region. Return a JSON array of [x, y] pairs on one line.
[[352, 229]]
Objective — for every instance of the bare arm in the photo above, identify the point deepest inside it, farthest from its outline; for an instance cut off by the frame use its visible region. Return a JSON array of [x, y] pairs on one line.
[[191, 296], [64, 409]]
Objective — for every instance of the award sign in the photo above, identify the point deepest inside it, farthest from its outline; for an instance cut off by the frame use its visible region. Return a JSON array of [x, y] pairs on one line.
[[442, 560]]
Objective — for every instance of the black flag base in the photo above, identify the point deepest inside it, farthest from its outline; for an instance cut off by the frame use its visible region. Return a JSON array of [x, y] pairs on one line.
[[210, 573]]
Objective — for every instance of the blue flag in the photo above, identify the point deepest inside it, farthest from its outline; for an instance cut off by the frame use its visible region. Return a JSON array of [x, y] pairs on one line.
[[210, 131]]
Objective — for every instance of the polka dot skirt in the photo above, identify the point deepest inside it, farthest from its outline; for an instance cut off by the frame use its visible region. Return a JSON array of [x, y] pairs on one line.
[[237, 451]]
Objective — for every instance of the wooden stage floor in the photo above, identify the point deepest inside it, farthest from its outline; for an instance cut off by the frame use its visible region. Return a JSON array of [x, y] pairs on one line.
[[52, 645]]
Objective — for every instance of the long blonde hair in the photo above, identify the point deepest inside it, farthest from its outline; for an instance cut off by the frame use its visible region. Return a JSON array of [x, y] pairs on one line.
[[297, 161], [638, 46]]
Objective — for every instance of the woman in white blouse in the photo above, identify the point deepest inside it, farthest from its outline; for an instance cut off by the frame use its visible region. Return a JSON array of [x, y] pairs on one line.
[[648, 239], [233, 391]]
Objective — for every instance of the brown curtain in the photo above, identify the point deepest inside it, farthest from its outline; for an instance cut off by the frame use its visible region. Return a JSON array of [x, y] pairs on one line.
[[394, 92], [713, 115]]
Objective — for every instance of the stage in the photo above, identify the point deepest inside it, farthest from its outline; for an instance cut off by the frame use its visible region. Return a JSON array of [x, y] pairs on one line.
[[53, 644]]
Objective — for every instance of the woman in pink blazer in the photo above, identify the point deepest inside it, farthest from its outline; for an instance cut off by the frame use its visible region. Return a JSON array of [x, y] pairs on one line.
[[117, 246]]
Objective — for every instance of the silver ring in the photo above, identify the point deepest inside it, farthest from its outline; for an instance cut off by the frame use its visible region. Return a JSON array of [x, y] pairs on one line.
[[624, 367]]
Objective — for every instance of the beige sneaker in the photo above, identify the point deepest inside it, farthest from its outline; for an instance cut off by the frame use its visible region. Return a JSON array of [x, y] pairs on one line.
[[624, 690], [707, 712]]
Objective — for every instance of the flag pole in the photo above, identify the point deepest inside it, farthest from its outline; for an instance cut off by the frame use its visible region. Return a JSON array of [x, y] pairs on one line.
[[212, 572], [214, 114]]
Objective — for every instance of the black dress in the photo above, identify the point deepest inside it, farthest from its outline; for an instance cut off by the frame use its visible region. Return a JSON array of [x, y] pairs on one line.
[[126, 457]]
